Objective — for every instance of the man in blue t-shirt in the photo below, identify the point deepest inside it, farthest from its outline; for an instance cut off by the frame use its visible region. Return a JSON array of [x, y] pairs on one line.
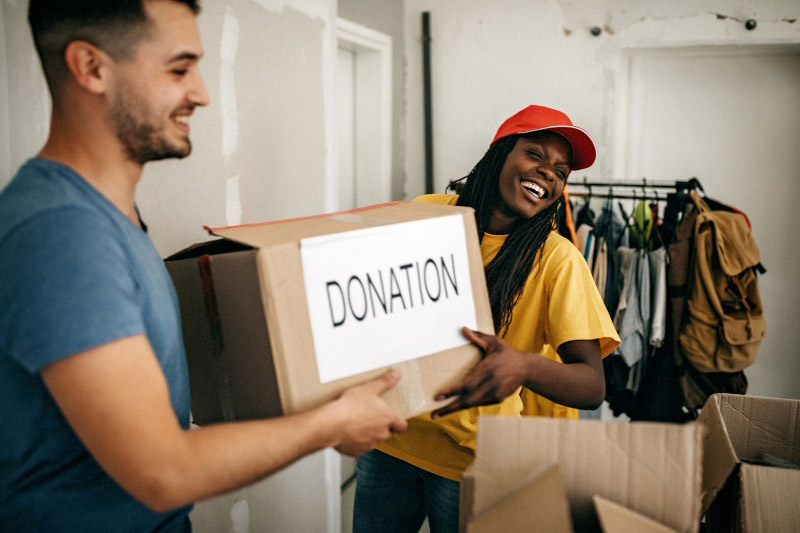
[[93, 380]]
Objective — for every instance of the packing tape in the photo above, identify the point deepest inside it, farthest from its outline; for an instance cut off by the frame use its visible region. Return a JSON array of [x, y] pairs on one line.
[[413, 387]]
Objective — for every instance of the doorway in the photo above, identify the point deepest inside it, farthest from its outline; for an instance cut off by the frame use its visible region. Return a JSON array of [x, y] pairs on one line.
[[363, 106]]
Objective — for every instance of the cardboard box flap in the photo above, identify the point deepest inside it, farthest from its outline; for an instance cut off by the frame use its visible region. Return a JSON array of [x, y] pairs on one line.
[[494, 486], [539, 506], [215, 247], [651, 468], [615, 518], [757, 426], [719, 457], [231, 354], [288, 231], [745, 427], [770, 499]]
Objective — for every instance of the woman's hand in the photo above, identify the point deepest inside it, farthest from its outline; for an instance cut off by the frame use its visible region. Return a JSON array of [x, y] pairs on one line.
[[578, 382], [502, 370]]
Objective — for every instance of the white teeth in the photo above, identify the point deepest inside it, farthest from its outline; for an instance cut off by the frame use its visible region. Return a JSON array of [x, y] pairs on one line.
[[181, 120], [534, 189]]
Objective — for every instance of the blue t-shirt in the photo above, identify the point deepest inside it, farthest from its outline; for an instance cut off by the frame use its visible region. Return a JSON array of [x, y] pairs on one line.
[[75, 273]]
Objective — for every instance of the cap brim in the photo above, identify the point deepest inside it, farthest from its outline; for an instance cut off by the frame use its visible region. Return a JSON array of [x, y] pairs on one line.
[[583, 148]]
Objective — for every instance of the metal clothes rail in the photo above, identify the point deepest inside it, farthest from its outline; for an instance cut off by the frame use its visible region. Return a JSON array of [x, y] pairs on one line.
[[632, 189]]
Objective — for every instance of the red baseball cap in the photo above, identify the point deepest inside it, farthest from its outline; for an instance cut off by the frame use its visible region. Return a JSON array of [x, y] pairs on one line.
[[539, 118]]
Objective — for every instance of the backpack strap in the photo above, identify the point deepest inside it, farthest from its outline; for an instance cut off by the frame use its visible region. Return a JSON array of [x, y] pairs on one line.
[[702, 207]]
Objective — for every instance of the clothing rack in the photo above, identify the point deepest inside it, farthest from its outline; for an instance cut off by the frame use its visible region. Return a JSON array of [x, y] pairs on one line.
[[677, 197], [649, 189]]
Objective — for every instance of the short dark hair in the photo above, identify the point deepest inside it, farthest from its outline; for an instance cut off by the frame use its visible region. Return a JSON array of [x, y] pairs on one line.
[[115, 26]]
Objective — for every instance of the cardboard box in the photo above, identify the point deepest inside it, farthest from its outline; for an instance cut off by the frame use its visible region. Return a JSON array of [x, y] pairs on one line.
[[281, 317], [542, 507], [647, 469], [739, 496], [615, 518]]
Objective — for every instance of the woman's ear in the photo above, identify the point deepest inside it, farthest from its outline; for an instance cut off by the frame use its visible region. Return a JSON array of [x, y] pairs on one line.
[[88, 65]]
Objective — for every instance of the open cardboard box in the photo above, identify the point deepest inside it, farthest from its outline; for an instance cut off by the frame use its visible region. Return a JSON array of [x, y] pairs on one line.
[[739, 496], [613, 476], [280, 317], [541, 506]]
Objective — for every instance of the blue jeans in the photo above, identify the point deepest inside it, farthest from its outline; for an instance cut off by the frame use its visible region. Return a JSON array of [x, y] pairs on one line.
[[394, 496]]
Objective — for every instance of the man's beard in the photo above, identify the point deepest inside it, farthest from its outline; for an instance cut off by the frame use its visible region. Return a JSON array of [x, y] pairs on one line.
[[140, 137]]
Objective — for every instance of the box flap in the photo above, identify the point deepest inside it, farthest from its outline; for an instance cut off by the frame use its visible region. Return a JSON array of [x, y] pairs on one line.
[[651, 468], [231, 372], [758, 425], [246, 345], [205, 408], [214, 247], [719, 457], [287, 231], [745, 427], [615, 518], [769, 499], [494, 488], [540, 506]]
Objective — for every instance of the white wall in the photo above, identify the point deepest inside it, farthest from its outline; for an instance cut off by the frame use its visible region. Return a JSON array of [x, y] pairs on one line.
[[386, 16], [261, 152], [490, 59], [267, 67], [265, 133], [24, 102]]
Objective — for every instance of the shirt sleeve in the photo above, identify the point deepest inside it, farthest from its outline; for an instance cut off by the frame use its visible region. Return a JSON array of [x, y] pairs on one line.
[[576, 310], [66, 287]]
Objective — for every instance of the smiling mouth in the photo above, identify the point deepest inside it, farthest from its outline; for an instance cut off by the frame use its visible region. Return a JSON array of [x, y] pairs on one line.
[[534, 190], [181, 120]]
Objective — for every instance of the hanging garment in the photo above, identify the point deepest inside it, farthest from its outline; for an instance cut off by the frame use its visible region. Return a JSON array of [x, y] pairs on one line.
[[642, 225], [619, 398], [569, 222], [612, 229], [624, 258], [656, 238], [585, 215], [658, 286], [588, 253], [600, 268], [586, 242], [633, 317]]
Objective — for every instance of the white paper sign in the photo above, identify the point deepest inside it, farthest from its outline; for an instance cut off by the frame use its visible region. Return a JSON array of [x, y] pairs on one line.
[[383, 295]]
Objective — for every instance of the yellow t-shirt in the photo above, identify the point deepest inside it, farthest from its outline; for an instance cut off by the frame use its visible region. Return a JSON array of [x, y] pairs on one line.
[[560, 303]]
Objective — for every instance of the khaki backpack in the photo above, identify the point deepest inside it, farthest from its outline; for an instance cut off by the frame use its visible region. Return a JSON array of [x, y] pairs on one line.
[[724, 321]]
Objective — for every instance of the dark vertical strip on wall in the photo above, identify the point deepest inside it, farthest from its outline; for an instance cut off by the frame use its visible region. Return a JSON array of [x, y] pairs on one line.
[[426, 77]]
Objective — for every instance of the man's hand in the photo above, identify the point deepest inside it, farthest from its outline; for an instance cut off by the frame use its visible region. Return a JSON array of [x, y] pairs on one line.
[[367, 419], [502, 370]]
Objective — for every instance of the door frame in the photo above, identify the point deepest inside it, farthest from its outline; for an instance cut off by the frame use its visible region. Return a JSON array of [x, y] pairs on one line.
[[373, 117], [627, 88]]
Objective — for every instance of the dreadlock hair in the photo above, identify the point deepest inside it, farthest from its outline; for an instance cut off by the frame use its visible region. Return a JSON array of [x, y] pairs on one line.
[[507, 272]]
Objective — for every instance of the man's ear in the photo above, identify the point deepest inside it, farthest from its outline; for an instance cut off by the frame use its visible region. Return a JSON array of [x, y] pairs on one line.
[[88, 65]]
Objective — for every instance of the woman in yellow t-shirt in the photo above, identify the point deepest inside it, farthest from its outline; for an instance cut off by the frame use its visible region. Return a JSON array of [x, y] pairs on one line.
[[552, 328]]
